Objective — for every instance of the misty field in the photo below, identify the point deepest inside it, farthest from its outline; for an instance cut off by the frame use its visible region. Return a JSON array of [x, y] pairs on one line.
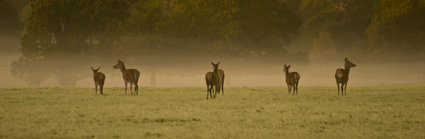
[[262, 112]]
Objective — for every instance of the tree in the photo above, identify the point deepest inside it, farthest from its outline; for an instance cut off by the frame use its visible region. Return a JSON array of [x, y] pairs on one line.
[[396, 33], [323, 49], [9, 19], [228, 26], [59, 37], [344, 20]]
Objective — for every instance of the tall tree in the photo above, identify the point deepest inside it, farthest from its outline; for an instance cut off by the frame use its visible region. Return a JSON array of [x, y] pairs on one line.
[[344, 20], [59, 36], [396, 33]]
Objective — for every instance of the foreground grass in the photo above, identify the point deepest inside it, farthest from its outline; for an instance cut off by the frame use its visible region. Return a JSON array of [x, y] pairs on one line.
[[267, 112]]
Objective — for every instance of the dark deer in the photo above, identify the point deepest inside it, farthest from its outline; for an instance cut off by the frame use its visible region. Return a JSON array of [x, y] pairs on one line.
[[212, 80], [220, 74], [99, 79], [341, 76], [130, 76], [292, 79]]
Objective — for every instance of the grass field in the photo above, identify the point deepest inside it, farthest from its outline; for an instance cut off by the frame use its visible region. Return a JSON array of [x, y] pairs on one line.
[[263, 112]]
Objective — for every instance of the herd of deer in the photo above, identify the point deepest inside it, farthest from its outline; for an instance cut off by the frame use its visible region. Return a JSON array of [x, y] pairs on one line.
[[129, 75], [215, 79]]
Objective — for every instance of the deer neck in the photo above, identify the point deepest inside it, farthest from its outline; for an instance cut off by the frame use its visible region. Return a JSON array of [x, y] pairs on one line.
[[123, 69], [347, 70], [287, 73], [215, 70]]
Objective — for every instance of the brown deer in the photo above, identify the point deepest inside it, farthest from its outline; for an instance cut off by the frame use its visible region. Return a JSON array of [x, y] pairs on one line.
[[130, 76], [341, 76], [292, 79], [99, 79], [220, 74], [212, 80]]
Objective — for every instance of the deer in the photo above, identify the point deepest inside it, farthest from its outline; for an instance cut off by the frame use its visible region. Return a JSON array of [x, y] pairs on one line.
[[341, 76], [220, 73], [130, 76], [292, 79], [212, 81], [99, 79]]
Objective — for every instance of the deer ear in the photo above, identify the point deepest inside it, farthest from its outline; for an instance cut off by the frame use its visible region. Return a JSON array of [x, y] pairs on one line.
[[92, 68], [346, 59], [218, 62], [98, 69], [212, 63]]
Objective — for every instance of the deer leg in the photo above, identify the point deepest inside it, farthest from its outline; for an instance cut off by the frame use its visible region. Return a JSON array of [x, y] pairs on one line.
[[337, 84], [207, 91], [296, 87], [136, 88], [222, 86], [211, 87], [289, 88], [125, 87], [101, 89], [293, 89], [218, 88], [345, 90], [95, 86], [215, 90], [131, 90]]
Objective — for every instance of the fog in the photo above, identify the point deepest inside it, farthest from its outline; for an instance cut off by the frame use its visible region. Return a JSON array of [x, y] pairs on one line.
[[264, 75], [238, 74]]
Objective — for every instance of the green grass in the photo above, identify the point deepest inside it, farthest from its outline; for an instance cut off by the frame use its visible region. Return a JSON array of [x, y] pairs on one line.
[[263, 112]]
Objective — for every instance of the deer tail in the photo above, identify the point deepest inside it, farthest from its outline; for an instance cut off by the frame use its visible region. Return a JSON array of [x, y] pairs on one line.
[[206, 80], [136, 76]]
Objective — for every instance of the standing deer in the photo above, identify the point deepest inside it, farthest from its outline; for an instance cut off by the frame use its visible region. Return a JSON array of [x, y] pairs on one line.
[[130, 76], [99, 79], [341, 76], [292, 79], [220, 74], [212, 80]]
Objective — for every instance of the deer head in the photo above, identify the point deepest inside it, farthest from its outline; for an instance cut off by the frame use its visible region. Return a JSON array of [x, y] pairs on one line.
[[215, 65], [349, 64], [286, 68], [95, 70], [119, 65]]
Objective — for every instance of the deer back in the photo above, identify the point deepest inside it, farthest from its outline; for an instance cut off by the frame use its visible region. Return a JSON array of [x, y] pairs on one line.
[[292, 77], [131, 75], [211, 78], [220, 74], [99, 77]]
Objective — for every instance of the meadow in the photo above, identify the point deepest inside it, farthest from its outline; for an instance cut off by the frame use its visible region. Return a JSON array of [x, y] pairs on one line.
[[242, 112]]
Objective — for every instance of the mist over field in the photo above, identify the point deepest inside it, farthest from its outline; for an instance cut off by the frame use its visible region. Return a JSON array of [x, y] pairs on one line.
[[257, 74], [238, 72]]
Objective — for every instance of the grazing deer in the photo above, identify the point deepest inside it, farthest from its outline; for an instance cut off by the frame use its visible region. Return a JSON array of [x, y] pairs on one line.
[[341, 76], [99, 79], [212, 80], [130, 76], [292, 79]]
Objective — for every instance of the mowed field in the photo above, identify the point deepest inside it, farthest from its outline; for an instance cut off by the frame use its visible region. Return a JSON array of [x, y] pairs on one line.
[[262, 112]]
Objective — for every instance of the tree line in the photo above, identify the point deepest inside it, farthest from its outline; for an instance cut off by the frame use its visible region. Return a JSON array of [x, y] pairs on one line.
[[57, 35]]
